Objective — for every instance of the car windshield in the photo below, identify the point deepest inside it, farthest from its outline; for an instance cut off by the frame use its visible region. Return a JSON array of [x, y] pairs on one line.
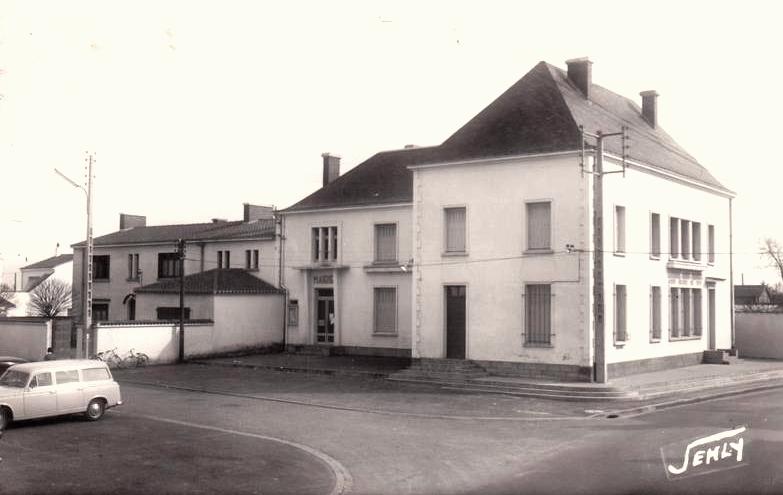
[[14, 378]]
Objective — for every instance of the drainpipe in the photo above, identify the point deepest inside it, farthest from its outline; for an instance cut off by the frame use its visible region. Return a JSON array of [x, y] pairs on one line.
[[279, 225], [731, 273]]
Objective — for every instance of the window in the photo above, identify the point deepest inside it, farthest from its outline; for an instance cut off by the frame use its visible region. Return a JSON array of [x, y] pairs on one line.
[[168, 265], [385, 243], [620, 330], [655, 316], [674, 312], [685, 239], [674, 237], [251, 259], [324, 244], [169, 313], [385, 310], [696, 312], [100, 267], [69, 376], [293, 313], [224, 259], [455, 229], [619, 229], [100, 311], [95, 374], [41, 380], [538, 314], [711, 243], [655, 235], [685, 310], [539, 225], [133, 267], [696, 235]]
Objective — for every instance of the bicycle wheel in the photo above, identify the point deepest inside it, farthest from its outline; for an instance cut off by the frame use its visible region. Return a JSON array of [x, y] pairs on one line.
[[142, 359]]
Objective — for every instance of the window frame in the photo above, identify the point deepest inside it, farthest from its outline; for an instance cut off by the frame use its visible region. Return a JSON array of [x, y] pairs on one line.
[[168, 256], [655, 236], [710, 244], [396, 258], [331, 252], [134, 270], [620, 230], [101, 260], [618, 342], [293, 312], [446, 251], [172, 309], [375, 330], [550, 235], [656, 313], [527, 316]]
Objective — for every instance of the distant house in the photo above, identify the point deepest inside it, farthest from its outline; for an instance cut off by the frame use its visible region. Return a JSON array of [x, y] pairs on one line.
[[54, 268], [752, 295], [229, 269]]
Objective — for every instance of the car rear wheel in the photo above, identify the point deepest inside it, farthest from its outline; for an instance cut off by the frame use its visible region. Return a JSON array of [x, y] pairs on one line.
[[5, 418], [95, 410]]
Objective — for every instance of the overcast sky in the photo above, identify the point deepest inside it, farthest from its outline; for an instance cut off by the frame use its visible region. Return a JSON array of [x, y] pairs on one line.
[[193, 108]]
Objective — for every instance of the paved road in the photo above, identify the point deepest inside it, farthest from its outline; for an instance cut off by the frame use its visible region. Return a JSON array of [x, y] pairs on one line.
[[180, 441]]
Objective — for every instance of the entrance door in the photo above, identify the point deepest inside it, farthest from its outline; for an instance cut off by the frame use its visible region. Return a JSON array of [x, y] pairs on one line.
[[711, 312], [455, 321], [324, 316]]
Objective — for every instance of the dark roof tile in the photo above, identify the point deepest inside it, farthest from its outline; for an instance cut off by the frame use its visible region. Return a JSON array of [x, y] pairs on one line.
[[215, 281], [52, 262]]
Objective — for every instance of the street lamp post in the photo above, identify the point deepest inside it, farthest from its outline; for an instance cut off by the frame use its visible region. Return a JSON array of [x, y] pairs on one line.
[[87, 310]]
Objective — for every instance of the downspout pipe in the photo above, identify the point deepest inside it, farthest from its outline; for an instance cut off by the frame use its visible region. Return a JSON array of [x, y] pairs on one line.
[[279, 227], [731, 273]]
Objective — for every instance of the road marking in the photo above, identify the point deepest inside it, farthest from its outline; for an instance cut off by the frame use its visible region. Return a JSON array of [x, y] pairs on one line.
[[343, 478]]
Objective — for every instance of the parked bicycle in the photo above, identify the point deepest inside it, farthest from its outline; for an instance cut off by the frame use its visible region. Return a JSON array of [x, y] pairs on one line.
[[110, 357], [135, 359]]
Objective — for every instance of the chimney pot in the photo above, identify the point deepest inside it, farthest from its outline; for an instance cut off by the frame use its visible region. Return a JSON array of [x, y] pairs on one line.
[[331, 167], [650, 107], [580, 73]]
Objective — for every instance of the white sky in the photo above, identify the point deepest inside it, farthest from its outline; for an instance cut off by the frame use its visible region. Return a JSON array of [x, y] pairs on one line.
[[196, 107]]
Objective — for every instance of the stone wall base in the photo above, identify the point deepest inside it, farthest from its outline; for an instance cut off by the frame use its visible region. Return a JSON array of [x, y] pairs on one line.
[[539, 371], [626, 368]]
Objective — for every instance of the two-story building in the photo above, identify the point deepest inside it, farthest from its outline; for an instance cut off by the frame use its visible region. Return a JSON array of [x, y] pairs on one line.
[[138, 256], [520, 243]]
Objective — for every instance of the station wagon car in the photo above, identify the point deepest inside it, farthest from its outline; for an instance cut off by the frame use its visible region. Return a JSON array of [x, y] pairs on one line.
[[52, 388]]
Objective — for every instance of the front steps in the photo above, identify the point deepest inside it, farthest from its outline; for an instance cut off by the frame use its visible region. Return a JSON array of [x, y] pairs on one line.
[[720, 356], [467, 376]]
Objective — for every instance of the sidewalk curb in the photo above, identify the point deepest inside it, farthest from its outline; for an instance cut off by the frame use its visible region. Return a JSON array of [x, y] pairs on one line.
[[719, 394]]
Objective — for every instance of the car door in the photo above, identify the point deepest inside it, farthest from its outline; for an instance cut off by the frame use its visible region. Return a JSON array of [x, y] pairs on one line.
[[40, 396], [69, 392]]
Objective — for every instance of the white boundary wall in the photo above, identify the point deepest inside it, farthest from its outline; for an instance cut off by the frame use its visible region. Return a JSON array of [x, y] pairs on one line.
[[27, 338], [759, 335]]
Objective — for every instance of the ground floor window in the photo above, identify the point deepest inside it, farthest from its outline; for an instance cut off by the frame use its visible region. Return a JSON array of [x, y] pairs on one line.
[[293, 313], [385, 310], [538, 314], [685, 312], [171, 313], [655, 313], [620, 320]]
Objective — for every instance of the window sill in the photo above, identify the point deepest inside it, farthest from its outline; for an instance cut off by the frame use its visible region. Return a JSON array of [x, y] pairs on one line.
[[104, 280], [132, 279], [393, 267], [539, 346], [454, 253], [655, 341], [620, 344], [619, 254], [655, 258], [385, 334], [685, 264], [679, 339], [536, 252]]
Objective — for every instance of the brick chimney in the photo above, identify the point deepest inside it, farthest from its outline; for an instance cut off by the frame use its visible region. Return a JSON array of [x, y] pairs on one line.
[[331, 167], [130, 221], [257, 212], [580, 73], [650, 107]]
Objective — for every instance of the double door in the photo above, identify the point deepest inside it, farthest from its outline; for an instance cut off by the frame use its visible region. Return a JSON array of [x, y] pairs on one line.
[[324, 316]]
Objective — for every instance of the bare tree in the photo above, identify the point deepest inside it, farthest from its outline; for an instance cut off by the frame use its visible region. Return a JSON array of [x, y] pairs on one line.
[[50, 298], [6, 298], [772, 252]]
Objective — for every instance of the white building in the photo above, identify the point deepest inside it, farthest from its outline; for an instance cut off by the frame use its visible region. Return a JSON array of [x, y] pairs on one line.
[[55, 268], [483, 248]]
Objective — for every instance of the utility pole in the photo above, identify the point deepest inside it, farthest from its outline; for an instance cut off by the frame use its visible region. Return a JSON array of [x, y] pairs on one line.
[[88, 272], [600, 369], [181, 253]]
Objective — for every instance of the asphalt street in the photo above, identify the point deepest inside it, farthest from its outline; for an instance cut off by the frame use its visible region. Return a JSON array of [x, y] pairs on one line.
[[224, 436]]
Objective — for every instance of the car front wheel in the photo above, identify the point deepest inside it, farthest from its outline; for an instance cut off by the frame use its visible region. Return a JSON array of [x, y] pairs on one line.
[[5, 418], [95, 410]]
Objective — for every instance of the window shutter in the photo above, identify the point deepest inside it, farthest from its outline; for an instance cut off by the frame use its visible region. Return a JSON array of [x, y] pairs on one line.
[[455, 230], [385, 309], [386, 242], [539, 225]]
